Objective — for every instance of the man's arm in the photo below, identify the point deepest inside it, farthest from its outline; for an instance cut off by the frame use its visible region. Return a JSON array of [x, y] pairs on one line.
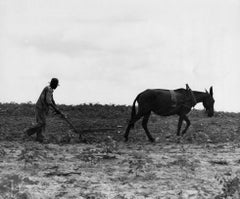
[[53, 102], [50, 101]]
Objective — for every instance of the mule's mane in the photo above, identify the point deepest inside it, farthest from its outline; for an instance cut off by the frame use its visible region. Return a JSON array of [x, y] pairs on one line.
[[200, 96]]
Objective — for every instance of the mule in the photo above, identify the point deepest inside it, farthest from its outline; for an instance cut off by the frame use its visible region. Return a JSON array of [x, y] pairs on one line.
[[168, 102]]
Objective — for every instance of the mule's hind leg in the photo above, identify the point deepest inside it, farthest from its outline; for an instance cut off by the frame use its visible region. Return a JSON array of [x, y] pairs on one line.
[[144, 125], [131, 125]]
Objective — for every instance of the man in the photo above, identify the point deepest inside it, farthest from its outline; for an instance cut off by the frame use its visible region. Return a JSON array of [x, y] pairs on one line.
[[45, 101]]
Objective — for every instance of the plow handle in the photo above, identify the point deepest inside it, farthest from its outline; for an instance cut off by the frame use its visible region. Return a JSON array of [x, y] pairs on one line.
[[71, 125]]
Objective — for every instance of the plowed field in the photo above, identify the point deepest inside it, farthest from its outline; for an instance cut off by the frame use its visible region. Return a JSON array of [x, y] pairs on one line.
[[203, 164]]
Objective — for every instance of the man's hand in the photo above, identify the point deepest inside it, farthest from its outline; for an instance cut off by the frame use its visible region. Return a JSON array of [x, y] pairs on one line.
[[63, 115], [57, 112]]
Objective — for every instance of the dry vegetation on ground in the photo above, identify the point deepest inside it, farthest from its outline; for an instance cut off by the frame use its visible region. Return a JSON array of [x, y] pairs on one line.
[[205, 164]]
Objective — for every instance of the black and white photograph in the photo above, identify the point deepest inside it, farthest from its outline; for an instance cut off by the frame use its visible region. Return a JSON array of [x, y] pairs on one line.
[[119, 99]]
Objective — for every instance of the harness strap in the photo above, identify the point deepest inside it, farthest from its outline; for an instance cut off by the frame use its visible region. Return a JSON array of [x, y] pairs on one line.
[[194, 101], [173, 98]]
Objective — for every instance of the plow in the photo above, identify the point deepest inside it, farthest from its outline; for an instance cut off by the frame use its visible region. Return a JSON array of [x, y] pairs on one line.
[[89, 130]]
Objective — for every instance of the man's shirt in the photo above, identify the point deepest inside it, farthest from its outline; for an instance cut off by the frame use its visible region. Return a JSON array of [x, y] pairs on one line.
[[45, 99]]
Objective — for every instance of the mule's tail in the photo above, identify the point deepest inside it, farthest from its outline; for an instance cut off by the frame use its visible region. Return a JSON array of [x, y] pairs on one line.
[[133, 113]]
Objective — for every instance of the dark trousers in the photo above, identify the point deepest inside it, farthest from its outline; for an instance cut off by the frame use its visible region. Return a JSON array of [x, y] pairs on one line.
[[40, 127]]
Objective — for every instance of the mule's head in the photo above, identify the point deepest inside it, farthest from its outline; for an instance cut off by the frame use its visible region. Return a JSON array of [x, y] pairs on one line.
[[208, 102]]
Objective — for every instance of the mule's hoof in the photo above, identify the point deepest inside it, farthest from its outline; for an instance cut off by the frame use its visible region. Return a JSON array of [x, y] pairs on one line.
[[40, 140], [83, 140], [179, 140], [168, 136], [152, 140], [26, 135]]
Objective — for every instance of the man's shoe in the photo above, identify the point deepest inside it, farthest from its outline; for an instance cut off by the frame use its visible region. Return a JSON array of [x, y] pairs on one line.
[[26, 133], [40, 139]]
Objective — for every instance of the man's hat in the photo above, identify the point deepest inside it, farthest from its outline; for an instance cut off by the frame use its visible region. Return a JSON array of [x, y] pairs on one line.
[[54, 81]]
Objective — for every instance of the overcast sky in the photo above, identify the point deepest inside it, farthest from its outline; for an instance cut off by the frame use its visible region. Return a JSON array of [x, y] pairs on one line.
[[107, 51]]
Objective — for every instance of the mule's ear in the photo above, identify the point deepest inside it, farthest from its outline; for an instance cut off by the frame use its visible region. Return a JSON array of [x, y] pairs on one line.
[[206, 90], [211, 91]]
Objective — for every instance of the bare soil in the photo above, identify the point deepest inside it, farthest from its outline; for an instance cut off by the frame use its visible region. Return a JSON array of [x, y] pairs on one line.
[[203, 164]]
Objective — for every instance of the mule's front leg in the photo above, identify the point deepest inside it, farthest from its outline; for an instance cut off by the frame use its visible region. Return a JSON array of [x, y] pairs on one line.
[[188, 124], [180, 120]]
